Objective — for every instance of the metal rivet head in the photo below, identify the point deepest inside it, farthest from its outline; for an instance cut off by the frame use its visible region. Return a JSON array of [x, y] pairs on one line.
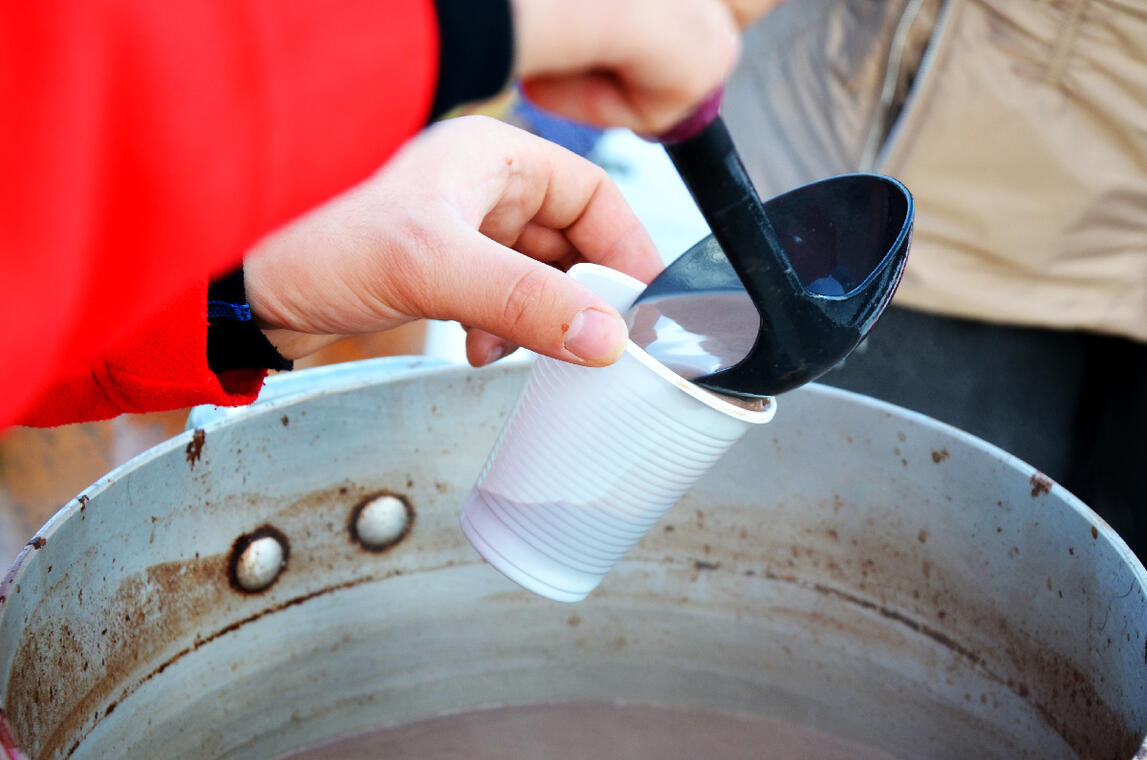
[[381, 521], [257, 559]]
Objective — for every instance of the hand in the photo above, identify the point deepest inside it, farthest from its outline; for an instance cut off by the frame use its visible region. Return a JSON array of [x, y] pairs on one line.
[[471, 221], [641, 64]]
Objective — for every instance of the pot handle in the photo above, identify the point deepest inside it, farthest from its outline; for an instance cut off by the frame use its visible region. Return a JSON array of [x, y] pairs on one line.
[[315, 379]]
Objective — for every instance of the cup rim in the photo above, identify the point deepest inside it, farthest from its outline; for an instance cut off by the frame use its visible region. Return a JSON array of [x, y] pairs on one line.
[[586, 272]]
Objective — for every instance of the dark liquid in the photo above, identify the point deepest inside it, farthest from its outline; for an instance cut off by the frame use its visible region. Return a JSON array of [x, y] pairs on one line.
[[592, 730], [698, 333]]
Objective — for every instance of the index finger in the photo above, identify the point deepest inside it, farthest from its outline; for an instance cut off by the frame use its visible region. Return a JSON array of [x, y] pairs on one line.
[[584, 203]]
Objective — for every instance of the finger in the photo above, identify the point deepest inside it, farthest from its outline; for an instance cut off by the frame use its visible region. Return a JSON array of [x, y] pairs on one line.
[[580, 200], [602, 100], [525, 302], [556, 206], [537, 241], [484, 348], [640, 64], [603, 235], [553, 248]]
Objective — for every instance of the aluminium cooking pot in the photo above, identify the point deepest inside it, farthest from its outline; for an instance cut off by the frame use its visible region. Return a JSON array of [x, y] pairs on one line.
[[851, 567]]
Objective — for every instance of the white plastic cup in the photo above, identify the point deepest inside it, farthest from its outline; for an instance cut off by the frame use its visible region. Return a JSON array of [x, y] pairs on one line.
[[591, 457]]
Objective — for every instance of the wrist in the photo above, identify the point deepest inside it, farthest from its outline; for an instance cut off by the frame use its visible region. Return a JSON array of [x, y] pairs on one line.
[[293, 345]]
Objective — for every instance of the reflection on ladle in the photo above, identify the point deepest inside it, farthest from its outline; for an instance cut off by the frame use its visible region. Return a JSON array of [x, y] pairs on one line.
[[696, 334]]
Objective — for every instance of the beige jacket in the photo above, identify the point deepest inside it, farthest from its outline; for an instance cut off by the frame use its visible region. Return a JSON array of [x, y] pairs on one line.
[[1020, 126]]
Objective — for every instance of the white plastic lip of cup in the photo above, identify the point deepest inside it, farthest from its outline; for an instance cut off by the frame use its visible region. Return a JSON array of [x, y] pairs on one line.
[[591, 458]]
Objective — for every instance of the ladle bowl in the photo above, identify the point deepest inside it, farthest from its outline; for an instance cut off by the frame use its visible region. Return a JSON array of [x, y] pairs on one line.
[[845, 240]]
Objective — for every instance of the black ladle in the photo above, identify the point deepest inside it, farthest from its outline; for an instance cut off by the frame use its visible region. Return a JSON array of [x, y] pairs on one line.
[[820, 263]]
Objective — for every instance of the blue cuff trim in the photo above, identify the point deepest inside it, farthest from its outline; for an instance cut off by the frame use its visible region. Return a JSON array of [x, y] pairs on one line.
[[240, 312]]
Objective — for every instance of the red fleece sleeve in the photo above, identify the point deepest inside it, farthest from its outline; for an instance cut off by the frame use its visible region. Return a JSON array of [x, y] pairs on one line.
[[164, 366], [148, 144]]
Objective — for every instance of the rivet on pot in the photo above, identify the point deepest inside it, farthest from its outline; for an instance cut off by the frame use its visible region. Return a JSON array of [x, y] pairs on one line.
[[258, 558], [381, 521]]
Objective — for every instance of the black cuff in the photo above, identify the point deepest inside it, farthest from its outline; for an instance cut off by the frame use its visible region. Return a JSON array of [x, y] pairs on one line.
[[476, 51], [233, 339]]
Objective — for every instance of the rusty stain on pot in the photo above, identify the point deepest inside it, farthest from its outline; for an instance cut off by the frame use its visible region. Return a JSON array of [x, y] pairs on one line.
[[201, 641], [925, 630], [145, 612], [150, 621], [867, 573], [38, 543], [1041, 484], [1049, 672], [940, 456], [188, 593], [195, 447], [175, 608]]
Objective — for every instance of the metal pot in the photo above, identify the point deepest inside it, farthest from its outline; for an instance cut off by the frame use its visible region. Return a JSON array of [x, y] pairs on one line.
[[852, 567]]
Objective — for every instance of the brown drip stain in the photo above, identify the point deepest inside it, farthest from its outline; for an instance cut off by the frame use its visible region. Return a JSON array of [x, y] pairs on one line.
[[940, 456], [1041, 484], [194, 448]]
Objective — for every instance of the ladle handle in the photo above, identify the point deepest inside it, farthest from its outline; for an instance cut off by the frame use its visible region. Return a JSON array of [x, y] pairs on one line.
[[701, 117], [703, 153]]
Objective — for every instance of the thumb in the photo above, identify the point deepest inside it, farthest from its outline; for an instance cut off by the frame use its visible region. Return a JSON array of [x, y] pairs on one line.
[[529, 304]]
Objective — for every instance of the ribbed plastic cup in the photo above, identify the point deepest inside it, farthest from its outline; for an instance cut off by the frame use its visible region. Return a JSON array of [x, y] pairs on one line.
[[591, 458]]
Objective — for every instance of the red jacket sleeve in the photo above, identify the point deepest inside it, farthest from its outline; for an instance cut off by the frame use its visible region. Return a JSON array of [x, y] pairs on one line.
[[163, 366], [147, 144]]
